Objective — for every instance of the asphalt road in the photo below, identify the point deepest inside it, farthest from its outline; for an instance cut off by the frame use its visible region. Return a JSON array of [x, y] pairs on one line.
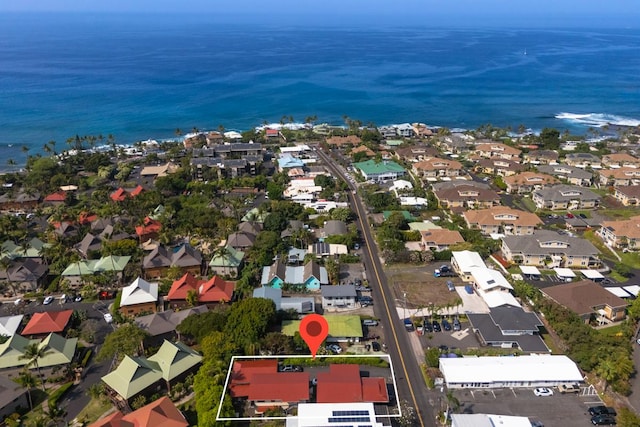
[[411, 387]]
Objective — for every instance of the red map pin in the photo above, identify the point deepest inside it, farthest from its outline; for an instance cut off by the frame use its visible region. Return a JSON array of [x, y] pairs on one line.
[[313, 330]]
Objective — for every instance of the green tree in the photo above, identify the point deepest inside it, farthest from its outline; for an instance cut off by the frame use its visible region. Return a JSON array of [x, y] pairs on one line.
[[192, 298], [550, 138], [277, 343], [125, 340], [28, 381], [250, 319], [199, 325], [33, 353], [627, 418]]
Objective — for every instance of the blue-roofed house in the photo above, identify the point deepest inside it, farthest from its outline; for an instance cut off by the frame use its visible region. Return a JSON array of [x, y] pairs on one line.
[[311, 275], [287, 161]]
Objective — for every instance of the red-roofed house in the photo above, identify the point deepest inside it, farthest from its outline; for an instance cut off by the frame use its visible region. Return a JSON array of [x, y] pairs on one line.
[[57, 198], [242, 372], [160, 413], [121, 194], [209, 292], [47, 322], [148, 230], [86, 218], [342, 384]]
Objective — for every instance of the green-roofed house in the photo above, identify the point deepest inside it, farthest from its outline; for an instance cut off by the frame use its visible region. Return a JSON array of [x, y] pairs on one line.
[[227, 262], [176, 361], [31, 249], [140, 375], [385, 170], [60, 351], [75, 271], [134, 375], [254, 215], [342, 328]]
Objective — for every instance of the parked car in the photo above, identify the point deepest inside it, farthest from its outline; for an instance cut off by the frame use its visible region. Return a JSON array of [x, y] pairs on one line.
[[108, 317], [569, 388], [543, 392], [583, 216], [427, 327], [602, 410], [291, 368], [450, 286], [334, 348], [408, 325], [446, 325], [603, 420], [105, 295], [456, 324], [375, 345], [436, 326], [370, 322], [48, 300]]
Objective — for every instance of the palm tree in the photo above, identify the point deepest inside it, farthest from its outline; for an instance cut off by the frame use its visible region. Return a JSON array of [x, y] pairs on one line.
[[33, 352], [28, 381], [55, 414]]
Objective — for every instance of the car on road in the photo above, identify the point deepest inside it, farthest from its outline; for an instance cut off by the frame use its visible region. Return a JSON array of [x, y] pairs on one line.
[[108, 317], [48, 300], [291, 368], [602, 410], [569, 388], [77, 298], [603, 420], [446, 325], [436, 326], [18, 301], [543, 392]]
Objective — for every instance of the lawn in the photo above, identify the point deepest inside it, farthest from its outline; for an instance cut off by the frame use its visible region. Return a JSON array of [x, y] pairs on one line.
[[599, 244], [632, 259], [619, 213], [528, 204], [93, 411]]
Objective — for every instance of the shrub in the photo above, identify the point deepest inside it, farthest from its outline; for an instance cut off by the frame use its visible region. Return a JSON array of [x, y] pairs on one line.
[[58, 393]]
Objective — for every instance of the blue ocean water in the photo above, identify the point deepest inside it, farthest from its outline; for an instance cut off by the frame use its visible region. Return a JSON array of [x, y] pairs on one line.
[[139, 77]]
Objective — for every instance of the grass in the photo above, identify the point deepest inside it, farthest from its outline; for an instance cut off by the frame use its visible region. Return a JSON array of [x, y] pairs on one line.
[[93, 411], [619, 213], [617, 276], [599, 244], [528, 204], [632, 259], [611, 331]]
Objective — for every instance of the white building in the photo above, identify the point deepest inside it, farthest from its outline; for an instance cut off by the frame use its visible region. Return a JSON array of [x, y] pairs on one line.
[[500, 371], [465, 261], [488, 420], [488, 280], [334, 415]]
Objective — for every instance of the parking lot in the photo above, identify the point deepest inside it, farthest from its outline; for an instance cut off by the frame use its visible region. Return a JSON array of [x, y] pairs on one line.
[[567, 410]]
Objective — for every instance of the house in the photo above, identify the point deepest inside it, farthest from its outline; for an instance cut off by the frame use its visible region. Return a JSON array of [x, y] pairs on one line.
[[332, 228], [139, 297], [120, 195], [340, 141], [571, 174], [379, 171], [10, 324], [510, 372], [241, 240], [184, 256], [12, 398], [526, 182], [159, 413], [502, 220], [463, 263], [227, 262], [366, 151], [546, 248], [456, 143], [619, 177], [440, 239], [260, 383], [149, 229], [583, 160], [159, 170], [22, 201], [55, 199], [164, 323], [33, 248], [435, 168], [300, 305], [628, 195], [621, 234], [487, 280], [588, 300], [140, 375], [58, 351], [89, 244], [541, 157], [620, 160], [500, 167], [415, 153], [25, 274], [466, 196], [495, 149], [342, 328], [47, 322], [210, 292], [565, 197], [321, 250], [338, 296], [509, 326], [311, 275], [76, 272], [344, 384]]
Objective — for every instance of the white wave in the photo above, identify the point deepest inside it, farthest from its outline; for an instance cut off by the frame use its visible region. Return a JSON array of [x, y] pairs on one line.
[[598, 119]]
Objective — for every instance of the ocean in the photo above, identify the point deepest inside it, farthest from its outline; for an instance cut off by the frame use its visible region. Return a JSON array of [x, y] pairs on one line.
[[143, 76]]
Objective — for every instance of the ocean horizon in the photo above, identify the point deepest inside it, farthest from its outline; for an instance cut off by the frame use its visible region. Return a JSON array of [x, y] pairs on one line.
[[144, 76]]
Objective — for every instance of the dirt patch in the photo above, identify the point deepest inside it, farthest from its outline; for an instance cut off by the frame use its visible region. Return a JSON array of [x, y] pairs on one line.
[[421, 287]]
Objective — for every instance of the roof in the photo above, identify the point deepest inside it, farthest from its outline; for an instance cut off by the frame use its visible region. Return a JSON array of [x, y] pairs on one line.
[[499, 299], [9, 392], [490, 369], [442, 236], [566, 171], [183, 255], [564, 193], [338, 291], [547, 242], [339, 326], [628, 190], [267, 292], [294, 275], [58, 196], [582, 297], [370, 167], [592, 274], [139, 292], [487, 279], [499, 215], [629, 228], [174, 359], [466, 191], [529, 178], [47, 322], [109, 263], [621, 173], [530, 270], [243, 371], [279, 386], [148, 226], [180, 288], [489, 420], [231, 257], [161, 170], [216, 290], [564, 272], [343, 384], [466, 260], [9, 324], [166, 321], [496, 147], [132, 376], [160, 413], [59, 351]]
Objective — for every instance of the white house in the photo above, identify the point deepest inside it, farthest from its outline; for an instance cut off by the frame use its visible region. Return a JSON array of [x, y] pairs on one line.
[[334, 414], [465, 261]]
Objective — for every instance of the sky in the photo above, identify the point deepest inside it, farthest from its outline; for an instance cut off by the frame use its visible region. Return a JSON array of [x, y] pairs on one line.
[[517, 12]]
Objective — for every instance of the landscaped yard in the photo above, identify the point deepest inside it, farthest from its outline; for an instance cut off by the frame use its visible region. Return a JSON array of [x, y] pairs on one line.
[[93, 411]]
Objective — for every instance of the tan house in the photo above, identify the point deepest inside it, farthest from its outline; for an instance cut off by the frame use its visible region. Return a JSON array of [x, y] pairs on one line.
[[440, 239], [526, 182], [628, 195], [340, 141], [588, 300], [571, 174], [619, 177], [466, 196], [158, 171], [565, 197], [538, 157], [583, 160], [415, 153], [498, 167], [502, 219], [549, 249], [363, 149], [435, 167], [621, 234], [496, 149], [620, 160]]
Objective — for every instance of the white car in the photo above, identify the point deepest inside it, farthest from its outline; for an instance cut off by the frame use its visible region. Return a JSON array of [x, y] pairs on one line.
[[48, 300], [543, 392], [335, 348], [108, 317]]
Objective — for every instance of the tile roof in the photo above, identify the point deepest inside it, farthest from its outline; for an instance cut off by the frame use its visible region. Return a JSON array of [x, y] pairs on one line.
[[498, 215], [582, 297], [629, 228], [442, 236], [47, 322], [139, 292]]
